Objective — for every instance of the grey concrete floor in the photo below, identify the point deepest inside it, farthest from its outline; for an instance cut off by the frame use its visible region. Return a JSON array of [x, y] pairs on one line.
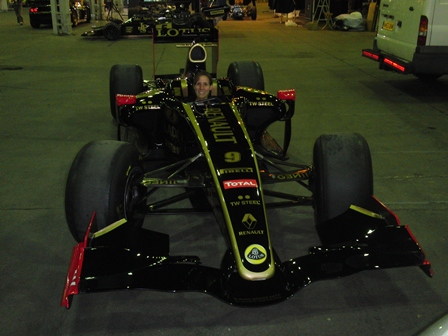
[[54, 99]]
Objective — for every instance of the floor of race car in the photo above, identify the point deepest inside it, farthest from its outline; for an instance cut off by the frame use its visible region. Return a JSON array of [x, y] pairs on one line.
[[54, 99]]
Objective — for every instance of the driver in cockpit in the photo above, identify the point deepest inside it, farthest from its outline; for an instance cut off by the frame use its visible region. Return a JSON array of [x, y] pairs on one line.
[[202, 85]]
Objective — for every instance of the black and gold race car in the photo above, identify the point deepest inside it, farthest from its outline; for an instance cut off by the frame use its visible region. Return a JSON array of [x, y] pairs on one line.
[[173, 15], [177, 155]]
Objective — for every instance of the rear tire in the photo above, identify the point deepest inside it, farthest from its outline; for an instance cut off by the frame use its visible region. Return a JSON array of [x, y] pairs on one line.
[[96, 183], [253, 14], [199, 21], [246, 73], [124, 79], [34, 23], [342, 174]]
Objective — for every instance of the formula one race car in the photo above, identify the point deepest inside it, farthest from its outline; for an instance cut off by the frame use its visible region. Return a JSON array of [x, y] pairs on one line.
[[218, 155], [143, 24], [138, 25], [240, 9]]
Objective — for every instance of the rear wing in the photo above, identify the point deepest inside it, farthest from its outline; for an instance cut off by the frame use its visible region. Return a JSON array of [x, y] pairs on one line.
[[201, 27], [167, 34], [200, 30], [170, 40]]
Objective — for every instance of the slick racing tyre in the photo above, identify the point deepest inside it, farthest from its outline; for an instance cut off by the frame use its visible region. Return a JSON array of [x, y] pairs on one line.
[[246, 73], [199, 21], [97, 182], [124, 79], [342, 174], [88, 15], [111, 31], [253, 13]]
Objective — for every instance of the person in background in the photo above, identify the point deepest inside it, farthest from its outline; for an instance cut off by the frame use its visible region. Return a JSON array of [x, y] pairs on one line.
[[17, 5], [202, 84]]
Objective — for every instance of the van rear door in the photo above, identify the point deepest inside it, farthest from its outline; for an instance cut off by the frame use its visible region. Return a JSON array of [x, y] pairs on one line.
[[398, 27], [439, 26]]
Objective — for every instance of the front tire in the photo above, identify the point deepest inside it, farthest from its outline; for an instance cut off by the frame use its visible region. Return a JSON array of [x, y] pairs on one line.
[[342, 174], [246, 73], [96, 183], [111, 31]]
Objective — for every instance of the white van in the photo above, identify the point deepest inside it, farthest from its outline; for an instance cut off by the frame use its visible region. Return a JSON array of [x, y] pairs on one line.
[[412, 37]]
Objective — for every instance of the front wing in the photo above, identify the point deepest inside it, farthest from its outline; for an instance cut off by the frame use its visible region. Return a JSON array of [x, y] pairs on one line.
[[123, 257]]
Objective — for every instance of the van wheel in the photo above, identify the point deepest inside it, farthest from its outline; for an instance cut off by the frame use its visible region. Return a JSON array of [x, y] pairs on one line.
[[428, 77]]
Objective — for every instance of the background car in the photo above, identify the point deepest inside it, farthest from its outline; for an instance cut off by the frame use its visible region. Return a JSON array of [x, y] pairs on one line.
[[241, 9], [40, 13], [412, 38]]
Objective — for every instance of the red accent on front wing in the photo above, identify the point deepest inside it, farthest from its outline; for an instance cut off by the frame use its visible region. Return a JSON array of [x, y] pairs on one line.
[[75, 267], [74, 270], [425, 262], [397, 219]]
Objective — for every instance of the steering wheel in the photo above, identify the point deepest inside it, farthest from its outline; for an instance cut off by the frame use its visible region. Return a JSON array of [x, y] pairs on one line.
[[208, 101]]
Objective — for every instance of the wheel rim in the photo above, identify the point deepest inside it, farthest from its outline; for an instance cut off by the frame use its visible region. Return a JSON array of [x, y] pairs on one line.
[[111, 33], [135, 197]]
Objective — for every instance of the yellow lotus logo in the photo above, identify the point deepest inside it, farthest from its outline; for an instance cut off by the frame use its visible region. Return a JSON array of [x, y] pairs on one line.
[[255, 254]]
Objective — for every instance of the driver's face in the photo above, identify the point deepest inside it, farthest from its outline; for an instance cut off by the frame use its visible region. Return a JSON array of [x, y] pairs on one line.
[[202, 88]]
